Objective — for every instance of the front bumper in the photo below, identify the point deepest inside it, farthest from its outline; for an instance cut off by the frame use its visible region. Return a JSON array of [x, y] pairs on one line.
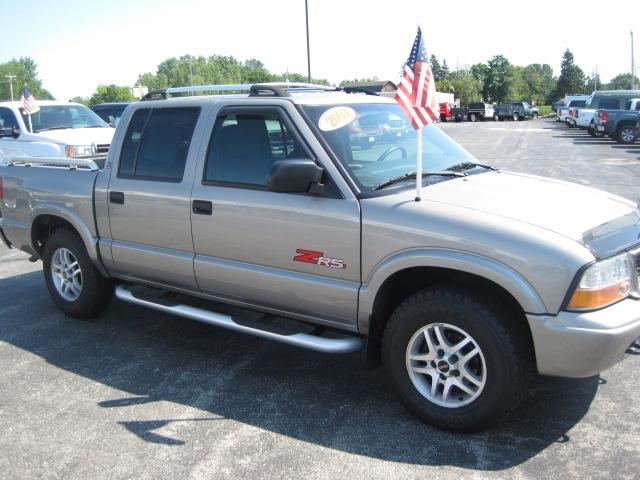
[[573, 344]]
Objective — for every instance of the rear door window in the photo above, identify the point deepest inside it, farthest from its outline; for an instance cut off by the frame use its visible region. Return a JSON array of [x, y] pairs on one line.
[[609, 104], [157, 143]]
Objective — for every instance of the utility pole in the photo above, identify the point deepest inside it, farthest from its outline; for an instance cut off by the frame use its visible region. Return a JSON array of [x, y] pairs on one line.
[[11, 77], [306, 14], [633, 65], [190, 74]]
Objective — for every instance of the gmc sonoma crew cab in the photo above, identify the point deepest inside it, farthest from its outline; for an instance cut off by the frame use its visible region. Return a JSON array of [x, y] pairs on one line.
[[261, 200], [58, 129]]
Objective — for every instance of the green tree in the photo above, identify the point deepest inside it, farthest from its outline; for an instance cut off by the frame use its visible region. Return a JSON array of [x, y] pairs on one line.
[[592, 82], [436, 68], [466, 86], [498, 83], [358, 80], [444, 70], [572, 79], [110, 93], [26, 71], [82, 100], [622, 81]]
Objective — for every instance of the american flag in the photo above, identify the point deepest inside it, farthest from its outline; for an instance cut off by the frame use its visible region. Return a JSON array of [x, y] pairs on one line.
[[28, 102], [417, 92]]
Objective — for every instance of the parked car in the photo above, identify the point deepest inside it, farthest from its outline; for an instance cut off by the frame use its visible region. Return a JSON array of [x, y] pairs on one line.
[[367, 129], [58, 129], [515, 111], [395, 128], [572, 102], [111, 112], [492, 277], [619, 124], [474, 112]]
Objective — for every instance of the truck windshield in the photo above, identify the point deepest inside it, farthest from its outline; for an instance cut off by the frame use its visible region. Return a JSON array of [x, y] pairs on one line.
[[376, 142], [55, 117]]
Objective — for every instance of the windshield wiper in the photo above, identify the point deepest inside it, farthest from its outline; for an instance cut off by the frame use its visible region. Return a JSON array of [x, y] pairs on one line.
[[409, 176], [468, 166]]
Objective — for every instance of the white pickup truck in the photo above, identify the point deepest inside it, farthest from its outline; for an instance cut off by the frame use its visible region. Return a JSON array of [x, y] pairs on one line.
[[58, 129], [571, 103]]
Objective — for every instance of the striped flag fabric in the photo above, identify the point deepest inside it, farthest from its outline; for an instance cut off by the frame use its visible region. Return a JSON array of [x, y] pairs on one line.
[[28, 102], [417, 92]]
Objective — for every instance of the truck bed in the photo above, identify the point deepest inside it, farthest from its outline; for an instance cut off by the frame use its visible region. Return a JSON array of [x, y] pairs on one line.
[[38, 186]]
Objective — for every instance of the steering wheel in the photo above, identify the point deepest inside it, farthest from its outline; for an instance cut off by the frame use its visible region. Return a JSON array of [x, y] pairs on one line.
[[390, 150]]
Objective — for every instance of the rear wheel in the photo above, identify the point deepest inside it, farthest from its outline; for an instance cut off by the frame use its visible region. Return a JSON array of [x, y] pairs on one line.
[[472, 117], [627, 134], [455, 362], [495, 117], [74, 283], [535, 115], [515, 116]]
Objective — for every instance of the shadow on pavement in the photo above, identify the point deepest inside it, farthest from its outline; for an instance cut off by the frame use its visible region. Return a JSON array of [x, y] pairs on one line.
[[331, 401]]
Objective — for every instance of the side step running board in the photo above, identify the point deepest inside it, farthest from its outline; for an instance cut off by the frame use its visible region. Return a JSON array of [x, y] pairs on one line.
[[304, 340]]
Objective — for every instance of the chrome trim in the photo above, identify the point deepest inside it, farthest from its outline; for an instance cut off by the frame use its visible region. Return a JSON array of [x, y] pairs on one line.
[[71, 163], [311, 342]]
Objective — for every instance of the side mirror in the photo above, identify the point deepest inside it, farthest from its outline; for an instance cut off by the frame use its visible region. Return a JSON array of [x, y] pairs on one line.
[[15, 132], [294, 176]]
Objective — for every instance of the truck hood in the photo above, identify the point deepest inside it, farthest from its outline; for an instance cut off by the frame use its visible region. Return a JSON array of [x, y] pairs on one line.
[[602, 222], [79, 136]]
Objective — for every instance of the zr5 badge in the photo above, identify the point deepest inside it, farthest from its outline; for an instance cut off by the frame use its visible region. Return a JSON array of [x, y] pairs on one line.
[[318, 258]]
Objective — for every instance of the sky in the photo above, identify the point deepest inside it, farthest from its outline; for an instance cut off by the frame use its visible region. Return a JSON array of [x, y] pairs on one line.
[[81, 44]]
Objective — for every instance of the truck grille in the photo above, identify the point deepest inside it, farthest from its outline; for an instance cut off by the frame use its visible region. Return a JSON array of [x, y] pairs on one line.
[[102, 149]]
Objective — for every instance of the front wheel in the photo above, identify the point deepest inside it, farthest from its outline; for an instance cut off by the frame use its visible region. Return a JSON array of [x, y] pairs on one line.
[[515, 117], [454, 361], [74, 283], [495, 117]]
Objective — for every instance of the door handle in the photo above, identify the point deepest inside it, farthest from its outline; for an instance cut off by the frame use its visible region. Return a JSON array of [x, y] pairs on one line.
[[116, 197], [202, 207]]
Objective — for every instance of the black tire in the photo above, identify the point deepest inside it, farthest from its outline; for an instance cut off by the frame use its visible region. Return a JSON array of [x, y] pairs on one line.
[[535, 115], [96, 291], [627, 134], [515, 116], [472, 117], [506, 351], [496, 117]]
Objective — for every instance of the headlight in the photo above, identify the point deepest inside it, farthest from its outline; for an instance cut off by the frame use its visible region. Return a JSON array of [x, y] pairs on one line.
[[602, 284], [80, 150]]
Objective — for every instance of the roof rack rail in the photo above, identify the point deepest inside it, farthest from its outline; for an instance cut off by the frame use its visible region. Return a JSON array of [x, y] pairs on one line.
[[357, 90], [278, 89]]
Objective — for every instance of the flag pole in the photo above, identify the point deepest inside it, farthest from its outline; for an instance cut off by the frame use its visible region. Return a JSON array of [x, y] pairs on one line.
[[418, 164], [30, 125]]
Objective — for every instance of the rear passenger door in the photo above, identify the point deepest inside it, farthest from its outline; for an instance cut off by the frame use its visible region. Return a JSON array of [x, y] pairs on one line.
[[293, 253], [149, 197]]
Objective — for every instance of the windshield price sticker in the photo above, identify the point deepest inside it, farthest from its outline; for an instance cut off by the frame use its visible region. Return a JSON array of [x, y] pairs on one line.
[[336, 117]]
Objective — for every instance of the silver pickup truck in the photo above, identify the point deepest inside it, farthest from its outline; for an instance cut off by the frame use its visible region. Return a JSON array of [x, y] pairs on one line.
[[261, 201]]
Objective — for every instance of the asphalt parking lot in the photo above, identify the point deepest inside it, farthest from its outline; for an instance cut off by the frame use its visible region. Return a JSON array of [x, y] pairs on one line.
[[138, 394]]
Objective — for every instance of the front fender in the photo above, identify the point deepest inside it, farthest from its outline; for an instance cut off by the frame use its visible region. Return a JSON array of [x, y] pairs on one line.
[[78, 223], [524, 293]]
